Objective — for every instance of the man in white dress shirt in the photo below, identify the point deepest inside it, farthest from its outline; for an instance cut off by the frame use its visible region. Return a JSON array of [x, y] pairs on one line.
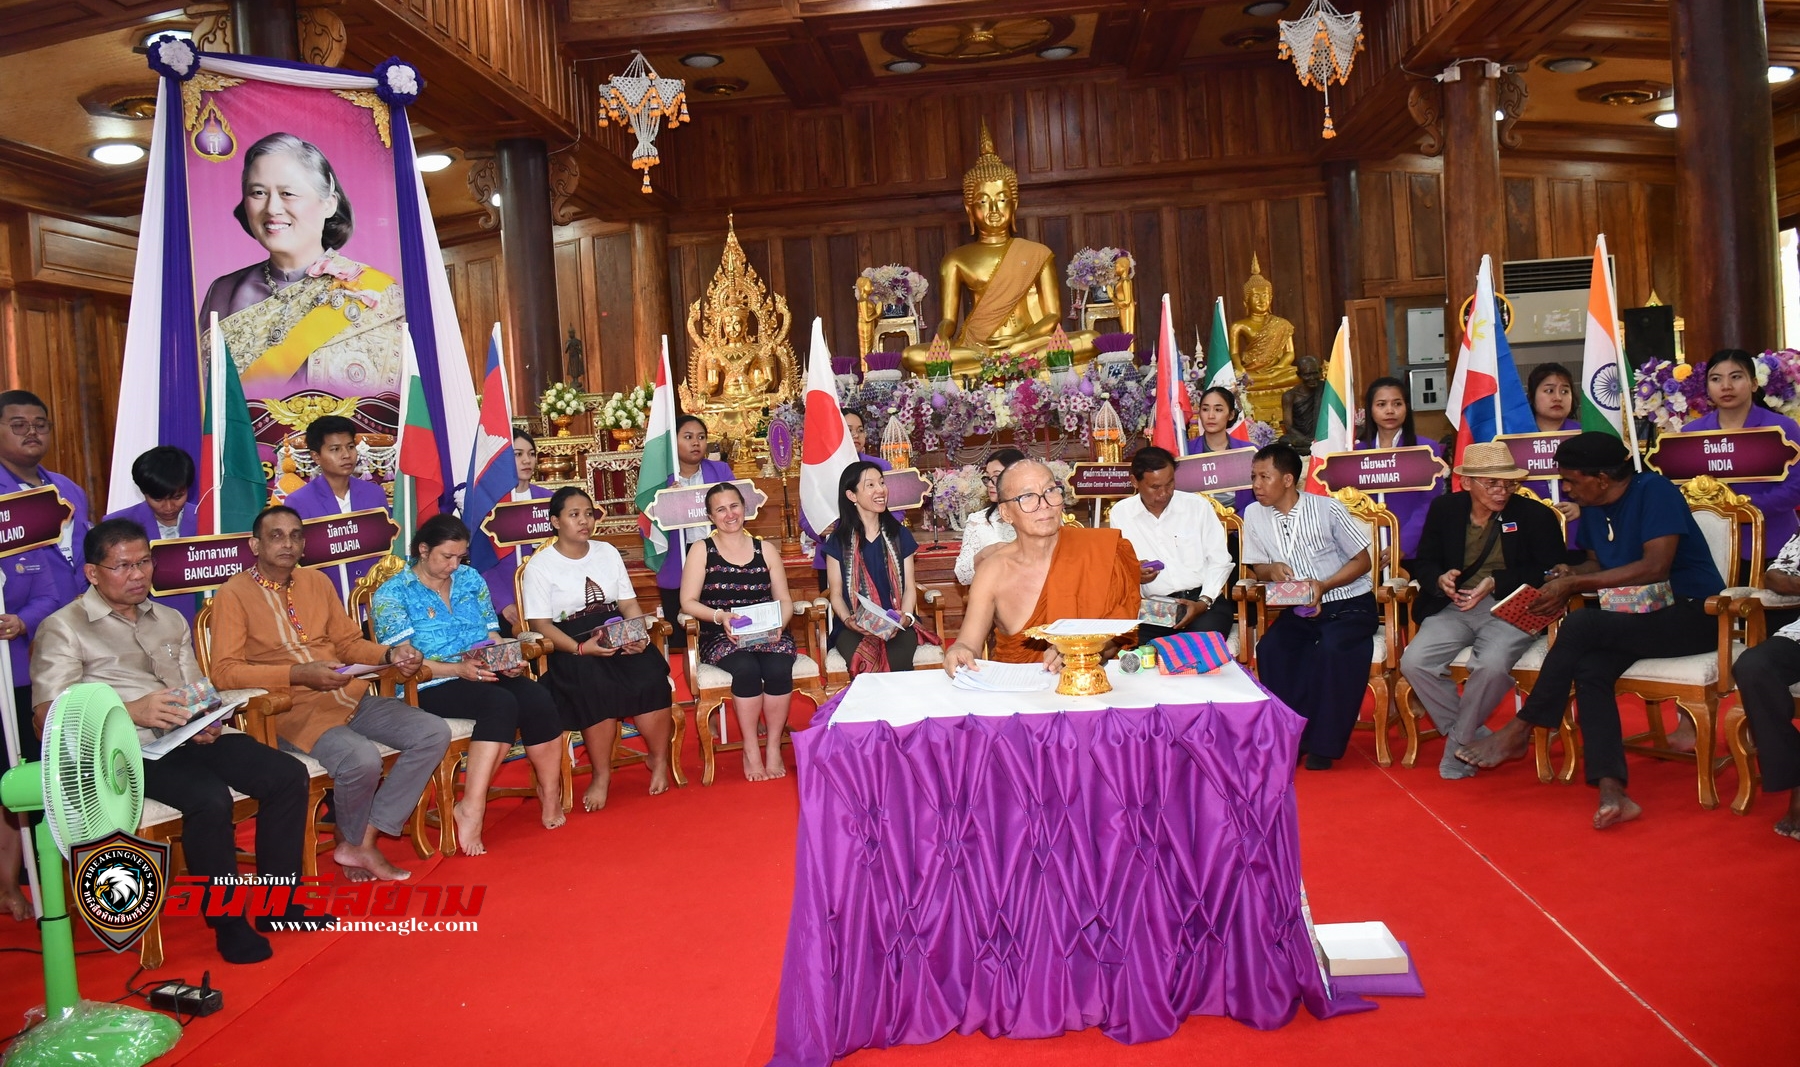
[[1180, 545]]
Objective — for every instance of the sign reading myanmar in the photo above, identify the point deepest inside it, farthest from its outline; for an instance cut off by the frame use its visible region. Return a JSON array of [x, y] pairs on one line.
[[518, 522], [1536, 452], [1383, 470], [682, 507], [32, 519], [1759, 454], [1100, 481], [1215, 472]]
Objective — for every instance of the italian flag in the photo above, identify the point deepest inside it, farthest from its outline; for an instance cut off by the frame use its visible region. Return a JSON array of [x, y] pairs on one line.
[[420, 486], [232, 485], [1332, 432], [659, 462]]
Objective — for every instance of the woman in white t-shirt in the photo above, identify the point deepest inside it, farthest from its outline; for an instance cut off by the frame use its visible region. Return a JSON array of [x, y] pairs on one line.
[[577, 581]]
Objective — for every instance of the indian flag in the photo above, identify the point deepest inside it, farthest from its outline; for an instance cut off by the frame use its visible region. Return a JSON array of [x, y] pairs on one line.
[[232, 485], [659, 461], [419, 489], [1332, 432]]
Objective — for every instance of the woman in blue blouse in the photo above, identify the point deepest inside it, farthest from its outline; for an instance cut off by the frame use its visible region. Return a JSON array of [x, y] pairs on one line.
[[1738, 404], [1388, 423], [440, 606]]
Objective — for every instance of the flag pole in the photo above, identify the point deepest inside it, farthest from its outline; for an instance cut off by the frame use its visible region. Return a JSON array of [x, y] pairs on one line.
[[1626, 394]]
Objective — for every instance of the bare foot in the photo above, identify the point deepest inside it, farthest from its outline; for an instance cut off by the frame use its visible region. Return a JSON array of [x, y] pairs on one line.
[[357, 874], [549, 796], [659, 780], [1682, 740], [1614, 810], [1508, 743], [1790, 826], [13, 901], [773, 766], [595, 797], [753, 763], [468, 828], [368, 860]]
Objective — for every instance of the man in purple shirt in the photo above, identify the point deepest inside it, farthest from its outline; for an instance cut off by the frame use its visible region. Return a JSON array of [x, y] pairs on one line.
[[165, 475], [336, 490], [691, 468]]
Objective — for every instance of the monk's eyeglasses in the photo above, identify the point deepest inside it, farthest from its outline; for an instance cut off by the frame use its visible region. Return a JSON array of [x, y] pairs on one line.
[[1030, 502]]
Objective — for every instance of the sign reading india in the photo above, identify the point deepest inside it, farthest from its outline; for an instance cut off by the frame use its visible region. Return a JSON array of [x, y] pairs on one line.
[[1383, 470], [518, 522], [1536, 452], [1759, 454], [1215, 472], [1100, 481], [32, 519], [196, 564]]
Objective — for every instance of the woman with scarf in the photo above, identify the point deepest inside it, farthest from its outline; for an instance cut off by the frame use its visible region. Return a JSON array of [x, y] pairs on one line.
[[870, 555]]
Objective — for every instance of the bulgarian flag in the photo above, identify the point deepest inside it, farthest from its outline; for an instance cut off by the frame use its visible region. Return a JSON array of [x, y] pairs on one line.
[[232, 486], [419, 489], [1332, 432], [1606, 384], [659, 461]]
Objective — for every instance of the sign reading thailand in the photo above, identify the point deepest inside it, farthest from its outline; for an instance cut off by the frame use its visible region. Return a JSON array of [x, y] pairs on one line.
[[1215, 472], [1101, 481], [334, 539], [518, 522], [1761, 454], [196, 564], [1536, 452], [32, 519], [1383, 470], [906, 488], [682, 507]]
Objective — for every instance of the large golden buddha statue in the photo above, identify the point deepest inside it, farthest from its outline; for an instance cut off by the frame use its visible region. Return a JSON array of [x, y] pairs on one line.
[[1012, 280], [1262, 345], [740, 363]]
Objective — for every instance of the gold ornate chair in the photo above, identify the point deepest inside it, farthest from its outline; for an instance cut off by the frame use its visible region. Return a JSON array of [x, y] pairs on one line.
[[712, 686]]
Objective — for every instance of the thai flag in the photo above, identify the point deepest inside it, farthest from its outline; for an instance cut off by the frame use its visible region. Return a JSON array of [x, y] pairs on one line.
[[492, 471]]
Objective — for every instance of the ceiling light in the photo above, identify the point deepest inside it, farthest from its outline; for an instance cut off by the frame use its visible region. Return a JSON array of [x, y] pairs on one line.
[[903, 66], [116, 153], [1061, 51], [434, 162], [180, 35], [1265, 8], [1499, 116], [1570, 64], [1665, 119], [701, 60], [1779, 74], [494, 200]]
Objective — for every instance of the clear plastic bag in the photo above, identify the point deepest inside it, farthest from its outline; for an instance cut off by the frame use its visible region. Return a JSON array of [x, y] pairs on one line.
[[91, 1033]]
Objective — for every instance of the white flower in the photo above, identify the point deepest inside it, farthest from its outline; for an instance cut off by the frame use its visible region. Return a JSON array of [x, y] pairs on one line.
[[177, 55], [403, 80]]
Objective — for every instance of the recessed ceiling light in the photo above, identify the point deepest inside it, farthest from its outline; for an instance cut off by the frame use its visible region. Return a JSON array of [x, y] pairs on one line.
[[434, 162], [494, 199], [1061, 51], [150, 38], [701, 60], [1265, 8], [1665, 119], [116, 153], [1570, 64], [903, 66], [1779, 74]]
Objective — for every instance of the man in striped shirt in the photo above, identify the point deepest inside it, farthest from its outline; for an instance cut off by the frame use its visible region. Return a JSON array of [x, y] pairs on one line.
[[1314, 656]]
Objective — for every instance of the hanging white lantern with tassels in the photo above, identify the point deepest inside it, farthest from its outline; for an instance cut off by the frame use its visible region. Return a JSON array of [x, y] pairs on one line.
[[642, 99], [1323, 44]]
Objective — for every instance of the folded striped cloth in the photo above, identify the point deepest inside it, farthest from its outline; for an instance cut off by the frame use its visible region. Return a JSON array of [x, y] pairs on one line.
[[1195, 653]]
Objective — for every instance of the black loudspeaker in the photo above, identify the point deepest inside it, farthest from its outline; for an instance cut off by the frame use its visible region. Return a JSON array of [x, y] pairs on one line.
[[1650, 334]]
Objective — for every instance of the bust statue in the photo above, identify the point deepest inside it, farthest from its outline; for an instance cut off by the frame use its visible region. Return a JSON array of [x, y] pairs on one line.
[[1262, 346], [1300, 405], [1012, 280]]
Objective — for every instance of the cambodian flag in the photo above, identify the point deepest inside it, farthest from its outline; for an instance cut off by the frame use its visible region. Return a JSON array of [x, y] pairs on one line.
[[493, 473], [1486, 399]]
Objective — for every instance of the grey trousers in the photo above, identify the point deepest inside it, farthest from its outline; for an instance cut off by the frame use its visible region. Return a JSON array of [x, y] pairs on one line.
[[1426, 664], [349, 755]]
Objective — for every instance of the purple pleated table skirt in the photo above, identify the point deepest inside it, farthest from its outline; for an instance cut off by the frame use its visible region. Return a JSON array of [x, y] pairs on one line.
[[1035, 874]]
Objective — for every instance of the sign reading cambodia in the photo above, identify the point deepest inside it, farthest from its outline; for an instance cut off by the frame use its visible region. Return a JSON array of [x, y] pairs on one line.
[[1215, 472], [1383, 470], [1536, 452], [1761, 454], [518, 522], [196, 564], [32, 519], [1102, 481], [680, 507], [336, 539]]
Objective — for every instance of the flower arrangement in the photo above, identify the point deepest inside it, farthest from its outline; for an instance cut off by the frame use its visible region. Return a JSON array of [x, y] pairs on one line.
[[560, 400], [956, 493], [1669, 394], [897, 285], [1059, 356], [1092, 268], [1778, 372], [794, 415], [1003, 367], [621, 411], [172, 57]]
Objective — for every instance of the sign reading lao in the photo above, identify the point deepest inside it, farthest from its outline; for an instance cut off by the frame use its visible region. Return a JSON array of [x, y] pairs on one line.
[[1536, 452], [518, 522], [682, 507], [1215, 472], [1101, 481], [1761, 454], [1383, 470], [32, 519]]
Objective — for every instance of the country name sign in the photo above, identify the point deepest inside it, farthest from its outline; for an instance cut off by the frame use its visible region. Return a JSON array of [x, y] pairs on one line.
[[1760, 454], [518, 522], [1100, 481], [1536, 452], [1383, 470], [1215, 472], [682, 507], [32, 519], [196, 564]]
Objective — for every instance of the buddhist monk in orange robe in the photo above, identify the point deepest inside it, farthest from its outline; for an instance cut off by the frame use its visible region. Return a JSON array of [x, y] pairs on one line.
[[1049, 572]]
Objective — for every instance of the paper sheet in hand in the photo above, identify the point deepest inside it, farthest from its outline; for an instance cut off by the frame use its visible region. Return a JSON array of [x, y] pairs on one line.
[[167, 743], [996, 677], [763, 618], [360, 670], [1081, 627]]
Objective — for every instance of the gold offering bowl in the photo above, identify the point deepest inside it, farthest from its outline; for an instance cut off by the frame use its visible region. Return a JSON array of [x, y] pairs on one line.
[[1083, 674]]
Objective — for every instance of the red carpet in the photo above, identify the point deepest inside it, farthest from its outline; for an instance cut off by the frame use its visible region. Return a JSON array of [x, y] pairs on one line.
[[651, 934]]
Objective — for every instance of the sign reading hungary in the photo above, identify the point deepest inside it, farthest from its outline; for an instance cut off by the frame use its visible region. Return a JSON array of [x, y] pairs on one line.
[[1215, 472], [518, 522], [196, 564], [682, 507], [1100, 481], [1761, 454], [1536, 452], [32, 519], [1383, 470]]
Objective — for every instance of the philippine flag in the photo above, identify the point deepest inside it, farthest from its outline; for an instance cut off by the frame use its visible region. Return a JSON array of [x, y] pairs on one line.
[[1486, 398], [492, 471]]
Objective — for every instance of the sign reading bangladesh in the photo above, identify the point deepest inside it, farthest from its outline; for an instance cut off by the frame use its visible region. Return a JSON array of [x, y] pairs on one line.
[[196, 564], [1761, 454], [518, 522], [1215, 472], [1536, 452], [1101, 481], [359, 535], [1383, 470], [682, 507], [32, 519]]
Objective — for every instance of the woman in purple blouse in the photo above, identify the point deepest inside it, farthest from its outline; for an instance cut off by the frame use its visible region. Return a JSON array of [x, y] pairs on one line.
[[1738, 404], [1388, 423]]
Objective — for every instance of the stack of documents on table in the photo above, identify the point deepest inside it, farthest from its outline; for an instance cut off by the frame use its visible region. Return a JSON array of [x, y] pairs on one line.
[[994, 677]]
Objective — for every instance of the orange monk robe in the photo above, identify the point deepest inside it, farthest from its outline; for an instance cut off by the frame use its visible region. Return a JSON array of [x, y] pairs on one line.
[[1093, 575], [1015, 275]]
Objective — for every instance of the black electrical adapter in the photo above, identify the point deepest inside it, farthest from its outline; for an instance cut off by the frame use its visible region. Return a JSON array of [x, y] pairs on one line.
[[182, 999]]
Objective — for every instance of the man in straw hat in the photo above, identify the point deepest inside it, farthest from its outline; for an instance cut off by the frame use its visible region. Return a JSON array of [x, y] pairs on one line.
[[1637, 531], [1477, 547]]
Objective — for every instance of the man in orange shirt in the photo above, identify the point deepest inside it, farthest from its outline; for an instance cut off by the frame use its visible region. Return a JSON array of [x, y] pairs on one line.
[[278, 626]]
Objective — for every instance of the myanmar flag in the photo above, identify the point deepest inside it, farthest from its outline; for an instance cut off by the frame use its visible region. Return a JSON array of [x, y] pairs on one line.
[[420, 486], [659, 462], [232, 485], [1332, 433]]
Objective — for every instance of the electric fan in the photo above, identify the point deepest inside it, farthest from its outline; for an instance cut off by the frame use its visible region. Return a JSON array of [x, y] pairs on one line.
[[90, 784]]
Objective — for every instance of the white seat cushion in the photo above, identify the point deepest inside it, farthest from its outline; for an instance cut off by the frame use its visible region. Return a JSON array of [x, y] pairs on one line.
[[1533, 657], [1700, 669], [711, 677], [1378, 650], [460, 729], [924, 656], [157, 813]]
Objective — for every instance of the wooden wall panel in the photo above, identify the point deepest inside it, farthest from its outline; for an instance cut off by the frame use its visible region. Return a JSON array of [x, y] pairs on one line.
[[796, 284], [615, 363], [68, 347], [1521, 219]]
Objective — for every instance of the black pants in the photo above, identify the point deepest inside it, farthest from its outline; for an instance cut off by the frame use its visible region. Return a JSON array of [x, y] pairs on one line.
[[1319, 666], [502, 709], [1763, 675], [1216, 619], [900, 647], [197, 781], [1592, 651], [671, 605], [754, 674]]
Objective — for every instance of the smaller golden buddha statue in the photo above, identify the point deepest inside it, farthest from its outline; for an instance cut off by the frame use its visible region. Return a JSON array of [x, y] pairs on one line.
[[740, 363], [868, 313], [1124, 295], [1262, 346]]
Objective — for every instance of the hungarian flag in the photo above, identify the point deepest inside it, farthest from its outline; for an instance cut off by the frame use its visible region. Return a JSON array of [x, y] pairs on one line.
[[1606, 383], [826, 450], [418, 494], [659, 461], [232, 486], [1332, 432], [1169, 420], [493, 473]]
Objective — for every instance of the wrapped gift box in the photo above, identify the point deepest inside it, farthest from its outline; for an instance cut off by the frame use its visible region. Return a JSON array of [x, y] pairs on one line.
[[872, 618], [1637, 599], [497, 656], [617, 633], [197, 698], [1160, 611], [1287, 594]]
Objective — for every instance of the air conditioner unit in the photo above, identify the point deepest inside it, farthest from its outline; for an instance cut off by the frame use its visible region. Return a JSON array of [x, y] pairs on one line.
[[1549, 299]]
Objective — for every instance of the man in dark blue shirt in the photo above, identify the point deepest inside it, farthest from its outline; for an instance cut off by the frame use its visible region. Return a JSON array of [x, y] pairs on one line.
[[1637, 530]]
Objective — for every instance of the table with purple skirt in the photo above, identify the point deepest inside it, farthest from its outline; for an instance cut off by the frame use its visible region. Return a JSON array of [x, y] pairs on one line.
[[1025, 864]]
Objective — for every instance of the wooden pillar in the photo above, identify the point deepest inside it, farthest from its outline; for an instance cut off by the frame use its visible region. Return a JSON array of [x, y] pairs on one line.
[[528, 259], [1474, 194], [1343, 209], [1724, 176], [266, 28], [650, 313]]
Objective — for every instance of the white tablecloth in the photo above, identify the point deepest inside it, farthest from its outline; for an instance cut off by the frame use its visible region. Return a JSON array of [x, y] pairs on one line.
[[906, 697]]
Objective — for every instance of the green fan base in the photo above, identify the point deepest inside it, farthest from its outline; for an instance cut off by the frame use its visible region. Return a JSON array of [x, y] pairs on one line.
[[94, 1033]]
